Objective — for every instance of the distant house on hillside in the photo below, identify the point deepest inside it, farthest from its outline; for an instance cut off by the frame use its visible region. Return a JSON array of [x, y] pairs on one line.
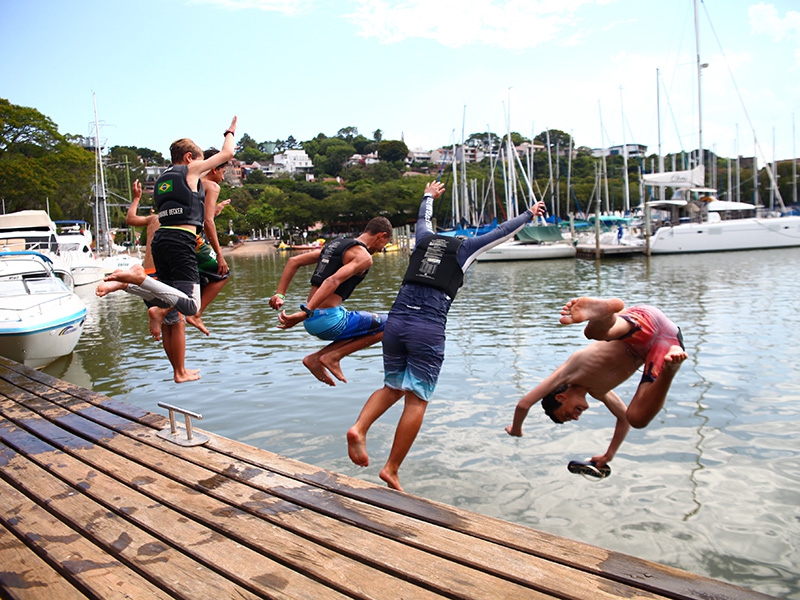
[[293, 161], [634, 150]]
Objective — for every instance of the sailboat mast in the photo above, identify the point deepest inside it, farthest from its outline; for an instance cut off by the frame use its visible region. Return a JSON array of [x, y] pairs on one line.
[[101, 232], [699, 93], [626, 184]]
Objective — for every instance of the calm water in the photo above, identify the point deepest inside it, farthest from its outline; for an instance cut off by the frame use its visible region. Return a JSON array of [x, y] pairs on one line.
[[711, 486]]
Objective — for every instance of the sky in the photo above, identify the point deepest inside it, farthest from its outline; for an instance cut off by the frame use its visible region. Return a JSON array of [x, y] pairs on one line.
[[425, 71]]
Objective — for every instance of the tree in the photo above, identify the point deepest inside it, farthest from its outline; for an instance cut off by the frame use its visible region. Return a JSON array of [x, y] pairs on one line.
[[37, 163], [392, 150], [348, 134], [377, 135], [256, 176]]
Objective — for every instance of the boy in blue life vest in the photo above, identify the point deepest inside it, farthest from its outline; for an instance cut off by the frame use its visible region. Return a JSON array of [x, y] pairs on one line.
[[627, 338], [414, 337], [341, 265], [179, 198]]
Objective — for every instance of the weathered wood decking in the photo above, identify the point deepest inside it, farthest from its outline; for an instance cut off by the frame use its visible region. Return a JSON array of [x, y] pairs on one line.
[[94, 504]]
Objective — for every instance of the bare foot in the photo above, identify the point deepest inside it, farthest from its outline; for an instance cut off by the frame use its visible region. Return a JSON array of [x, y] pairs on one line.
[[589, 309], [674, 358], [197, 322], [357, 447], [510, 431], [135, 275], [391, 479], [187, 375], [156, 315], [333, 367], [313, 364], [109, 286]]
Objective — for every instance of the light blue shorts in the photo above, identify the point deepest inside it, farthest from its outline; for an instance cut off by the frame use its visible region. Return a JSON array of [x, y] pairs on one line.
[[337, 323]]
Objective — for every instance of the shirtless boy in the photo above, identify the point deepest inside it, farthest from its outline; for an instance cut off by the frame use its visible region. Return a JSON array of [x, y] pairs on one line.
[[626, 340]]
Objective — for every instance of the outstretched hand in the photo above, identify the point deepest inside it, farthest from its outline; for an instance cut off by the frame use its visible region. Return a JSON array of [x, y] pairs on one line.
[[276, 302], [286, 321], [539, 209], [137, 191], [435, 189], [220, 205]]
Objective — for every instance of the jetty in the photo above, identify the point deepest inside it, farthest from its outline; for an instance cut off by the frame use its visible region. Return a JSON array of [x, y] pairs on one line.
[[101, 499], [608, 250]]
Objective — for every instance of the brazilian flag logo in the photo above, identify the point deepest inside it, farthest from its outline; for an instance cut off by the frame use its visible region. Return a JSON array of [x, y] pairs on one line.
[[165, 186]]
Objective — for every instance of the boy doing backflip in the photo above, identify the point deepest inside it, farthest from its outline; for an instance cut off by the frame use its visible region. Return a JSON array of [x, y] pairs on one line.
[[626, 340]]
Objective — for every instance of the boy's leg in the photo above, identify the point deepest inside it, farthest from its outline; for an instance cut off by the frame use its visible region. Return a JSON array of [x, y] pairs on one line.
[[174, 338], [330, 356], [378, 403], [601, 314], [207, 294], [407, 430], [650, 396]]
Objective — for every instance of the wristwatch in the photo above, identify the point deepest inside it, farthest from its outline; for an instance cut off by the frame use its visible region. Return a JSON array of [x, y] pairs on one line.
[[306, 310]]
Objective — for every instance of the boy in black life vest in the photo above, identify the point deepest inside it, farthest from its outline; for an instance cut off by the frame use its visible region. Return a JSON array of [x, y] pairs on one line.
[[627, 339], [179, 198], [342, 264]]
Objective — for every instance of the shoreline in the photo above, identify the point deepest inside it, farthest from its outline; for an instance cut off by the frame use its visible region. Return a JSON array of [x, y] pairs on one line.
[[250, 248]]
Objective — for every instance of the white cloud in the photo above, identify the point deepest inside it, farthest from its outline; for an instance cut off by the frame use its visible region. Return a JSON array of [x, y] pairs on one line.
[[287, 7], [764, 19], [513, 24]]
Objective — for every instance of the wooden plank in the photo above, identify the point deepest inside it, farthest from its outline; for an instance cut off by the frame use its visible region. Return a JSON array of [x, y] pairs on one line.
[[146, 554], [81, 562], [25, 576], [327, 491]]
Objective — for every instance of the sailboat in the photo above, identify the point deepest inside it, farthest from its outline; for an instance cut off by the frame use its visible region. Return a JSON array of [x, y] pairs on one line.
[[696, 221]]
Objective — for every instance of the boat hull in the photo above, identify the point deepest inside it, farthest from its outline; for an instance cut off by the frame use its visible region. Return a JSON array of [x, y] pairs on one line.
[[38, 346], [720, 236], [41, 319], [521, 251]]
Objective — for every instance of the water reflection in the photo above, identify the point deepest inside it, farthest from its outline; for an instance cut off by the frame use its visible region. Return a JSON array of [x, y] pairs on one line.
[[711, 486]]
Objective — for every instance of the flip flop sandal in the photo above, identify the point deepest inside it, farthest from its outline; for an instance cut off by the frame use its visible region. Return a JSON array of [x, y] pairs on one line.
[[588, 468]]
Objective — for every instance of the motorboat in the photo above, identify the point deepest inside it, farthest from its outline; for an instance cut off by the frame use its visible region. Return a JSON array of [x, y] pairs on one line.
[[41, 319], [33, 230], [75, 249]]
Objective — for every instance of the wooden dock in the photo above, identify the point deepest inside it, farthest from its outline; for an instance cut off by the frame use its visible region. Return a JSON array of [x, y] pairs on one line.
[[95, 504], [608, 250]]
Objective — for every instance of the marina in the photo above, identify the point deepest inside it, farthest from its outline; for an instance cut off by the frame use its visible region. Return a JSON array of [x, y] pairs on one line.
[[95, 503]]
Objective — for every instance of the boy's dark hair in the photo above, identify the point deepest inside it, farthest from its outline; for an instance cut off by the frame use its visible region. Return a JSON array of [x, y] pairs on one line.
[[210, 152], [180, 147], [379, 225], [551, 405]]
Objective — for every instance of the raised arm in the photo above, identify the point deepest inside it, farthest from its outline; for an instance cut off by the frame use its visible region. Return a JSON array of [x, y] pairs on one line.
[[131, 218], [198, 168], [617, 407]]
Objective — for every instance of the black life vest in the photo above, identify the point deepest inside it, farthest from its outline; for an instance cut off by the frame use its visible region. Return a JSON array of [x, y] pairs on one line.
[[434, 263], [176, 203], [331, 260]]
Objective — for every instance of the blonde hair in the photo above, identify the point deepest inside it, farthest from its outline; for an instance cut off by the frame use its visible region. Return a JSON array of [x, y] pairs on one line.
[[180, 147]]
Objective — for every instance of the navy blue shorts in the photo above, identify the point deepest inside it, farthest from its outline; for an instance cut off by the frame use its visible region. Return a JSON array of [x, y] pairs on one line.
[[413, 353]]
